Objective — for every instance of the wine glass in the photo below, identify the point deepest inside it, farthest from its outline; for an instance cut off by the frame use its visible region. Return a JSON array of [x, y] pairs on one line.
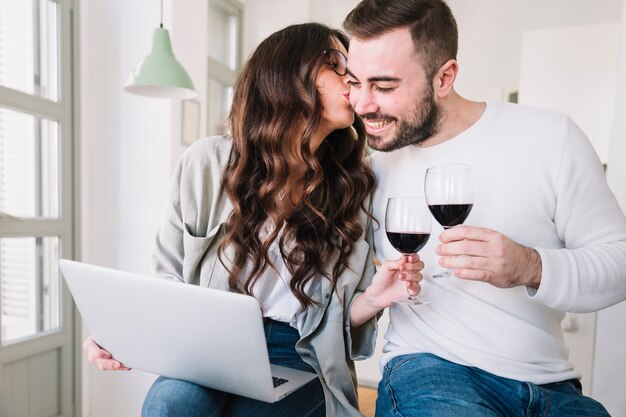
[[407, 224], [450, 197]]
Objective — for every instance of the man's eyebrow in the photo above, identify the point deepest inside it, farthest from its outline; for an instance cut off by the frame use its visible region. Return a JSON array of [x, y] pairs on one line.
[[380, 78], [383, 78]]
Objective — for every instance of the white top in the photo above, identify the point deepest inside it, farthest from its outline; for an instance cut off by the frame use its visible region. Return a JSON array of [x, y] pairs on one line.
[[537, 180], [273, 292]]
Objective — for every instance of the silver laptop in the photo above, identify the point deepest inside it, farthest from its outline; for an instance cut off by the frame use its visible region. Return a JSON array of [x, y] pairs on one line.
[[208, 337]]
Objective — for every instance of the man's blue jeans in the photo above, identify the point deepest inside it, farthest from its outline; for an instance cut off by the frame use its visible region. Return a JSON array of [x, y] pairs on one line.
[[172, 397], [425, 385]]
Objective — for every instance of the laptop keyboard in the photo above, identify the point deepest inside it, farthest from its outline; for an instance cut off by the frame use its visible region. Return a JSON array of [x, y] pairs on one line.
[[278, 381]]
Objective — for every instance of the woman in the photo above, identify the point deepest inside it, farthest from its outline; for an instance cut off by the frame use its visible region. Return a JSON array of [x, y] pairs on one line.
[[278, 211]]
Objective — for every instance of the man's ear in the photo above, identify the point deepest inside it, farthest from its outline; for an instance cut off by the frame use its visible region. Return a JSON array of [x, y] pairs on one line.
[[443, 81]]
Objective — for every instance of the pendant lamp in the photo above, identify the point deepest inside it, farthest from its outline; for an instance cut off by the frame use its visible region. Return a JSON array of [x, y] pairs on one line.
[[160, 74]]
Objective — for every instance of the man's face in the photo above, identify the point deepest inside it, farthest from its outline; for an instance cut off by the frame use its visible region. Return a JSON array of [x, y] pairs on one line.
[[390, 92]]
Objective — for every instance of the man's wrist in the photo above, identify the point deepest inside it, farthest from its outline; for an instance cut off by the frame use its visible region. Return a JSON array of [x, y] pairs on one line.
[[534, 270]]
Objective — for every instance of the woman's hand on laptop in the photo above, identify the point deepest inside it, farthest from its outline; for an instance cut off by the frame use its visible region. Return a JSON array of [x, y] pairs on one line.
[[101, 357]]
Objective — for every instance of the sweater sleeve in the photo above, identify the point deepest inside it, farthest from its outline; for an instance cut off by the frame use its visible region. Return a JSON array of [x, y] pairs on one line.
[[167, 257], [589, 272], [195, 209], [361, 340]]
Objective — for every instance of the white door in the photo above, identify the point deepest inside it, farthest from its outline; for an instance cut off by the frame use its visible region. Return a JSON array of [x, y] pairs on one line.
[[36, 208]]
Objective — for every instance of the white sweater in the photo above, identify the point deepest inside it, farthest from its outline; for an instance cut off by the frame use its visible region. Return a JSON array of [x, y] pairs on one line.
[[538, 181]]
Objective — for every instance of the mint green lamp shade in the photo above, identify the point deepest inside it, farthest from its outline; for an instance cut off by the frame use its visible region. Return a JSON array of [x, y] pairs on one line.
[[160, 74]]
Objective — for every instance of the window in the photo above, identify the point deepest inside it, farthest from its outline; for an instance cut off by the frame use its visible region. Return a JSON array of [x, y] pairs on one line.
[[33, 115], [28, 165], [36, 207], [223, 60], [30, 286], [29, 47], [29, 283]]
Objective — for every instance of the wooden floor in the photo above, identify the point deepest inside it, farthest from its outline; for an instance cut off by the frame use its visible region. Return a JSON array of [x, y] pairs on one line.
[[367, 401]]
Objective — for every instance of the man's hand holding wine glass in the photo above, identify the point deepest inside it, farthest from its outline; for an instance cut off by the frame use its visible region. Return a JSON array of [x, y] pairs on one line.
[[481, 254]]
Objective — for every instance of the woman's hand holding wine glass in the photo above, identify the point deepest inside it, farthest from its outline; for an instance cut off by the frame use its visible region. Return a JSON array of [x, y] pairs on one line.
[[408, 224], [394, 280]]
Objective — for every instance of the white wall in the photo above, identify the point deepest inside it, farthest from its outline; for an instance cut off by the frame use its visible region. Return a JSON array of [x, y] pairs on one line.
[[609, 384], [264, 17], [580, 84], [124, 168], [490, 36], [190, 39], [616, 172]]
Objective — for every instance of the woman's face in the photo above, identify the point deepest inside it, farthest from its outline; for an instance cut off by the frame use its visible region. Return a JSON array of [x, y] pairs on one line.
[[337, 113]]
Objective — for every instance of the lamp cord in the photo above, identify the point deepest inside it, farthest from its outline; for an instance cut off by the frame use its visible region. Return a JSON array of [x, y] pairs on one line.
[[161, 14]]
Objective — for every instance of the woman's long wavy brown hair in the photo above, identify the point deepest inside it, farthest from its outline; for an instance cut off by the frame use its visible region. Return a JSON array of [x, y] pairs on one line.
[[276, 104]]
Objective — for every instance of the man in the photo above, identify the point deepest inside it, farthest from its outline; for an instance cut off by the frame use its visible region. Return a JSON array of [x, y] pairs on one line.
[[545, 235]]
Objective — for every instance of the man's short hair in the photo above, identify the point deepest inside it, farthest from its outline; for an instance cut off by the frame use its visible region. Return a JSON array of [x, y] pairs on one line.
[[431, 23]]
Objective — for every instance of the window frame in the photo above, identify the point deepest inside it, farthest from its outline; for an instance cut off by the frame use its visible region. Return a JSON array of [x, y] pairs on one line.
[[64, 340], [219, 71]]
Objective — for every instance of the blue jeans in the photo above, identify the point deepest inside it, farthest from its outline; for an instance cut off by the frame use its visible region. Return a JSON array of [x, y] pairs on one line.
[[172, 397], [425, 385]]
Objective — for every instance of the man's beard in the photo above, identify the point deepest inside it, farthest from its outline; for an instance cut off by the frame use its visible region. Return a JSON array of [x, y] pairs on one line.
[[427, 117]]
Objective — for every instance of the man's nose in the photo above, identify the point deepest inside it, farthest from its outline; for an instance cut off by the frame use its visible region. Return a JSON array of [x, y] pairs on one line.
[[363, 101]]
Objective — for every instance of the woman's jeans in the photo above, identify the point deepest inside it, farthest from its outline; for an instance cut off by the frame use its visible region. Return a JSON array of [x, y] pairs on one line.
[[425, 385], [172, 397]]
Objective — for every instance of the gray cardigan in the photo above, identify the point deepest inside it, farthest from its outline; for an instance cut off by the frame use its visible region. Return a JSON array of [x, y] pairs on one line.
[[186, 250]]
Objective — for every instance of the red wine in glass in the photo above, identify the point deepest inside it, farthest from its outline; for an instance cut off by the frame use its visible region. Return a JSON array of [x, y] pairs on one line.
[[407, 242], [450, 215], [407, 224], [450, 197]]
